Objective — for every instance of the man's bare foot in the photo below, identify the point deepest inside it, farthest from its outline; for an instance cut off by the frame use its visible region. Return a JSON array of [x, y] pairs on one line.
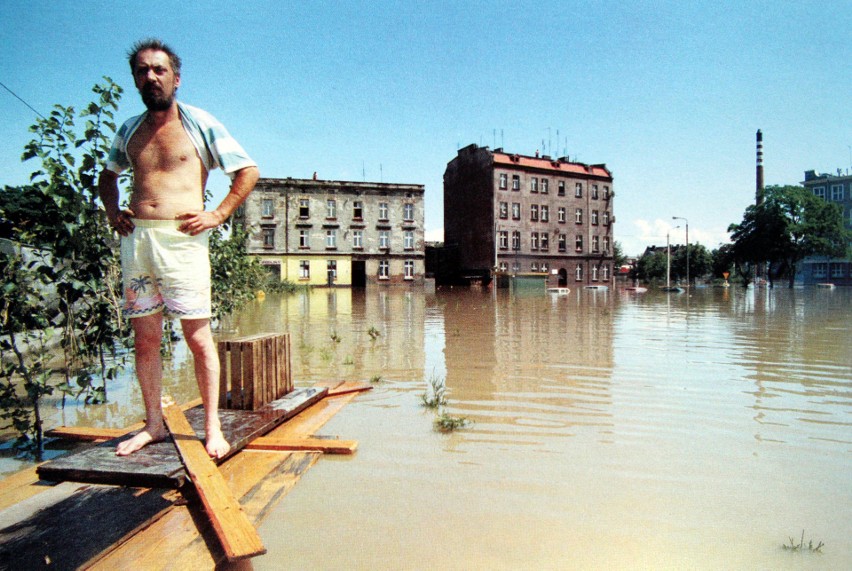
[[140, 440], [216, 444]]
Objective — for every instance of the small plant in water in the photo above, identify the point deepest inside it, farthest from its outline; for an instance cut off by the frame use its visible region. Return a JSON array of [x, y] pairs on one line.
[[376, 379], [373, 333], [435, 394], [802, 547], [335, 337], [348, 360], [445, 422]]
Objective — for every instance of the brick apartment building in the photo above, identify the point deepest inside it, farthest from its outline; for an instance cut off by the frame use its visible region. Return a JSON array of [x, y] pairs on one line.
[[517, 214], [821, 269], [337, 233]]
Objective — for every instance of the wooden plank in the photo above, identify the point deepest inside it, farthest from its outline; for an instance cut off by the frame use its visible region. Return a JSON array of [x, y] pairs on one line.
[[158, 464], [236, 376], [239, 538], [85, 434], [258, 488], [249, 375], [222, 349], [327, 446], [349, 387], [71, 523]]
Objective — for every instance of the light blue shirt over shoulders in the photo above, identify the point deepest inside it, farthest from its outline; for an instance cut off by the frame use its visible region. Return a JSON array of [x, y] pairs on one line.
[[215, 146]]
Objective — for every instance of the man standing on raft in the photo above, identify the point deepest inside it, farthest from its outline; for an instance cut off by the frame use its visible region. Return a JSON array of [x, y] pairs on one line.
[[165, 261]]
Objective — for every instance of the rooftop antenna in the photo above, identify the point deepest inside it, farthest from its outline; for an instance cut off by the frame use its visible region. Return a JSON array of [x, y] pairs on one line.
[[759, 173]]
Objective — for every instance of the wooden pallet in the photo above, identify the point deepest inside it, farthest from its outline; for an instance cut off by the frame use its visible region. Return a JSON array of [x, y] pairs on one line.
[[254, 370]]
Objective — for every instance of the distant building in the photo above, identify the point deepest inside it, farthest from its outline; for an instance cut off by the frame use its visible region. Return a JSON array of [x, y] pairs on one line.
[[821, 269], [337, 233], [515, 214]]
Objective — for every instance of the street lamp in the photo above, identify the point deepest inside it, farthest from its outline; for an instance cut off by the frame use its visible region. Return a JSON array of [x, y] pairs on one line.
[[687, 246]]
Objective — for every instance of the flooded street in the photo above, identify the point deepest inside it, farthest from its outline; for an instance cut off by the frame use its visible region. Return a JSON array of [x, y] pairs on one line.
[[610, 430]]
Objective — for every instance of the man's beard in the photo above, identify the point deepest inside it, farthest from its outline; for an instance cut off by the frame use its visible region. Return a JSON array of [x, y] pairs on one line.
[[156, 100]]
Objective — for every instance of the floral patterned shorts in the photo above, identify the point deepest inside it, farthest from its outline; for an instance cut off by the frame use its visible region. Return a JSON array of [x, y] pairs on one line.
[[165, 270]]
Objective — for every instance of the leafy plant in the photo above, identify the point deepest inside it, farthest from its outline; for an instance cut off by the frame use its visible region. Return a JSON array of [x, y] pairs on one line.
[[801, 547], [448, 423], [376, 379], [435, 394], [373, 333]]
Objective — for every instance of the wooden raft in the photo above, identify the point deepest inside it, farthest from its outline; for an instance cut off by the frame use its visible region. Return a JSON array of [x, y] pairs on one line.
[[158, 465], [70, 526]]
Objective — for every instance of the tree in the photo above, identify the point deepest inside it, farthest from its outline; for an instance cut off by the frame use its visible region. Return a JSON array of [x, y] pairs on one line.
[[652, 266], [700, 262], [790, 224]]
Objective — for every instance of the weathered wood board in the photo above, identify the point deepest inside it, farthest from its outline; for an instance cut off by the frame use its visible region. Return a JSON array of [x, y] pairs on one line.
[[238, 537], [158, 465]]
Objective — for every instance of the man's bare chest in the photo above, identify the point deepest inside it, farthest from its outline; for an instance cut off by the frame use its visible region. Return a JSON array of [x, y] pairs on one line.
[[162, 148]]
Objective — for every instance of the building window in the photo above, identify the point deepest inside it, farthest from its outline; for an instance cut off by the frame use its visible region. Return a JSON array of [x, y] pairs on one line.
[[384, 239], [358, 210], [545, 213], [503, 181], [534, 184], [516, 182], [543, 243], [409, 269], [836, 192], [516, 267], [836, 270], [331, 270], [594, 217], [578, 273], [578, 190], [267, 208], [605, 272], [304, 269], [503, 239], [561, 188], [383, 211], [516, 211], [304, 239], [606, 244], [606, 192], [578, 216], [304, 208], [544, 267], [504, 210], [384, 270], [331, 208], [534, 241], [534, 212], [544, 186], [560, 215], [820, 270], [408, 239], [268, 235], [820, 191], [595, 191], [516, 240], [563, 242], [578, 243], [534, 267], [605, 217], [408, 212], [331, 239], [594, 273], [503, 267], [358, 239], [596, 244]]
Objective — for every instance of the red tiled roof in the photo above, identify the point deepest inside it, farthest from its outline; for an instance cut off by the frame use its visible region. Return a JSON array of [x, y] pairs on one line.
[[551, 164]]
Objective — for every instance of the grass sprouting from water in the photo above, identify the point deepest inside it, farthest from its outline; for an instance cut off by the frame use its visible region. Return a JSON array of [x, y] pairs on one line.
[[802, 547]]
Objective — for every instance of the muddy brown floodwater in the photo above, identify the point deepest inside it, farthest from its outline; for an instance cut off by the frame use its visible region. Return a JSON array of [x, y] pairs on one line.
[[610, 430]]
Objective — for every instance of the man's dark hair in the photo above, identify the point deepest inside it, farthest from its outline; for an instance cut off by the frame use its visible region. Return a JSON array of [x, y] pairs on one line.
[[153, 44]]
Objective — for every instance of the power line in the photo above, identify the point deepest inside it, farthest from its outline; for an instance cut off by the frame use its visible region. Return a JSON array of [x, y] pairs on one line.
[[22, 101]]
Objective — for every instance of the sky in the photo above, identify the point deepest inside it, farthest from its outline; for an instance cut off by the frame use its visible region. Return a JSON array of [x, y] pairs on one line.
[[668, 94]]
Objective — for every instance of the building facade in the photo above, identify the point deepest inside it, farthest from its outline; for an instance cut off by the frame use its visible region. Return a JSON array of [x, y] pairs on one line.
[[821, 269], [337, 233], [516, 214]]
